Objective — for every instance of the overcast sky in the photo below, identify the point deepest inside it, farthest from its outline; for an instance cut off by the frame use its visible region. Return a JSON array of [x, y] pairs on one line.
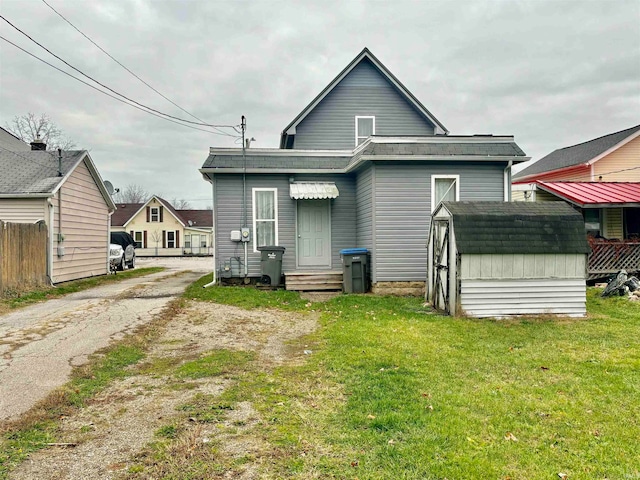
[[551, 73]]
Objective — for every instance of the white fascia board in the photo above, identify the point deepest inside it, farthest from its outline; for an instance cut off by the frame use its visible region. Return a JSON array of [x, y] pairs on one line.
[[271, 170], [444, 139], [614, 148]]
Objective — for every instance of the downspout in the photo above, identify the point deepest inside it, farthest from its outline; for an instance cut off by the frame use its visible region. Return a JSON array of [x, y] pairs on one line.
[[507, 181], [214, 280], [50, 242], [60, 238]]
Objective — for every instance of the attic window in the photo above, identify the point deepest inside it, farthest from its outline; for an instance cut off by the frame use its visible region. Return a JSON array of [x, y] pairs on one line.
[[365, 127], [155, 214]]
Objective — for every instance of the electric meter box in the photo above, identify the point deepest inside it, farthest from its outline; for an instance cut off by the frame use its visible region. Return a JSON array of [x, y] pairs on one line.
[[246, 234]]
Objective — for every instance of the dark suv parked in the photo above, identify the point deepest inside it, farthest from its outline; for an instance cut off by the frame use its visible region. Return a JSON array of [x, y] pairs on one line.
[[122, 251]]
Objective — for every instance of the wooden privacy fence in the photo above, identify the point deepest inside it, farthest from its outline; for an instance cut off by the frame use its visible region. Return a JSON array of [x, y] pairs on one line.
[[23, 255], [608, 258]]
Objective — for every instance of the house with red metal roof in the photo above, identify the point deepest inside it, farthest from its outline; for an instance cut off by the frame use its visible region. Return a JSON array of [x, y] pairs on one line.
[[161, 230], [601, 178]]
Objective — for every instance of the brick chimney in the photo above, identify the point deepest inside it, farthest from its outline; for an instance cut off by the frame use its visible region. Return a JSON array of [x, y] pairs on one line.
[[38, 144]]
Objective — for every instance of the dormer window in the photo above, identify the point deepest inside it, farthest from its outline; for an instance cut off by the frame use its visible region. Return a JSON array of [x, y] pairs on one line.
[[365, 127]]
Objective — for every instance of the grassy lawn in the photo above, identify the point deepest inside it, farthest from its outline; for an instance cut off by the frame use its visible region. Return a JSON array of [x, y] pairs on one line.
[[10, 300], [395, 391], [390, 390]]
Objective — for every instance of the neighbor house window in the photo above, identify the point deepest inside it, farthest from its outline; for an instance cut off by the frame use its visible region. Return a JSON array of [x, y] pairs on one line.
[[444, 188], [365, 127], [187, 241], [172, 239], [592, 220], [265, 217], [155, 214], [138, 238]]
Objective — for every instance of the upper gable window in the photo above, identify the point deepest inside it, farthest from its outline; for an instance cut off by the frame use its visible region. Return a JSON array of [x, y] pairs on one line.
[[365, 127], [155, 214]]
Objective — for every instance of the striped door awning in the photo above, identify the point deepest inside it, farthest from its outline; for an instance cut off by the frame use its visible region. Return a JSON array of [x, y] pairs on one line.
[[313, 190]]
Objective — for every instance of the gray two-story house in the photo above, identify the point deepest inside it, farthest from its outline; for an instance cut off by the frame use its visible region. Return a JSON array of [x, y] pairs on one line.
[[363, 165]]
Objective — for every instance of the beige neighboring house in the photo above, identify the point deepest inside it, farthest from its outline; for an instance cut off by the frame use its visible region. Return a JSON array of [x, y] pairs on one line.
[[160, 230], [68, 195]]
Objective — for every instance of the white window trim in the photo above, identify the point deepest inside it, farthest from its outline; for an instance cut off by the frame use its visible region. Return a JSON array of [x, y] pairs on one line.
[[166, 238], [157, 209], [358, 117], [253, 214], [433, 188], [142, 245]]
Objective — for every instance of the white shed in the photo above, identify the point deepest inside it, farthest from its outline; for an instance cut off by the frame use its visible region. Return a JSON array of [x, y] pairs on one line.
[[495, 259]]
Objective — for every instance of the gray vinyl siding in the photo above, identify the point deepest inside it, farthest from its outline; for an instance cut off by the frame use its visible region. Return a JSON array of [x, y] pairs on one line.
[[363, 92], [364, 208], [229, 216], [403, 211]]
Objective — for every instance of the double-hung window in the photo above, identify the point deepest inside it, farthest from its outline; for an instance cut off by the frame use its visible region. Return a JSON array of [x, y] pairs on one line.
[[138, 238], [265, 217], [155, 214], [171, 239], [365, 127], [444, 188]]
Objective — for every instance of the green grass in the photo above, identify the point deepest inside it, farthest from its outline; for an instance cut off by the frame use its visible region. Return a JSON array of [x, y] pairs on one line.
[[245, 297], [393, 390], [14, 299]]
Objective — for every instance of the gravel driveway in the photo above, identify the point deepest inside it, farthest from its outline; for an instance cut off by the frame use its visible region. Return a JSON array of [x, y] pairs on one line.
[[40, 344]]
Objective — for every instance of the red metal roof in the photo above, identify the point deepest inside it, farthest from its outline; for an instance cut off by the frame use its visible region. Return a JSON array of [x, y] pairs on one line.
[[595, 193]]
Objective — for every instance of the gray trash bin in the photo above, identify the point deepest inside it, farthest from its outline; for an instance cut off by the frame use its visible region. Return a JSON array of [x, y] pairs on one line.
[[355, 270], [271, 265]]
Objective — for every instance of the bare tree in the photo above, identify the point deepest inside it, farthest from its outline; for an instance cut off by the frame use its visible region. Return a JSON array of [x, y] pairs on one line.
[[180, 204], [132, 193], [30, 127], [156, 236]]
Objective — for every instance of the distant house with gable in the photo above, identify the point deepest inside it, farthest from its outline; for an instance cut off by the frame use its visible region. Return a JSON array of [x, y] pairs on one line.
[[160, 230]]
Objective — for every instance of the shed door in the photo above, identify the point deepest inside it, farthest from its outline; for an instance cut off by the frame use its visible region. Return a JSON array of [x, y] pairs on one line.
[[314, 233], [440, 300]]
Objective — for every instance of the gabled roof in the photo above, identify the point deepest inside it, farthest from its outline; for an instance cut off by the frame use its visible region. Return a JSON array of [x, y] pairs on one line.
[[187, 218], [364, 54], [35, 173], [9, 141], [516, 227], [593, 194], [584, 153]]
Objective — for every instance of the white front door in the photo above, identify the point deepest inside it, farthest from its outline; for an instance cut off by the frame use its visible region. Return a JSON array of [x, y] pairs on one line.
[[314, 233]]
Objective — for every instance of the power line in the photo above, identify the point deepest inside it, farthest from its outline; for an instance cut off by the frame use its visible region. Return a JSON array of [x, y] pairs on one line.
[[119, 63], [114, 91], [108, 94]]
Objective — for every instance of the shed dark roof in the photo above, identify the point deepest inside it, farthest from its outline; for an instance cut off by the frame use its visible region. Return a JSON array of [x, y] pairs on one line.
[[576, 154], [517, 227]]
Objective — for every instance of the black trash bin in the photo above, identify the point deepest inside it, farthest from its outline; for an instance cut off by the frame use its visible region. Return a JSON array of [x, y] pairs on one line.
[[355, 270], [271, 265]]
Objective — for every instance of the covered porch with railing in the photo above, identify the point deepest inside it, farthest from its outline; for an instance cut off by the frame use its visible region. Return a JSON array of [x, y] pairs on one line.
[[608, 257]]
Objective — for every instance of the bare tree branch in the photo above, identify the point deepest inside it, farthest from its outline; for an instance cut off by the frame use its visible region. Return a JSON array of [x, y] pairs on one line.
[[30, 127], [132, 193], [180, 204]]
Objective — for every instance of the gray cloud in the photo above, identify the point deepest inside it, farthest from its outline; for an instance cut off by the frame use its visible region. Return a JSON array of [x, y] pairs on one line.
[[552, 73]]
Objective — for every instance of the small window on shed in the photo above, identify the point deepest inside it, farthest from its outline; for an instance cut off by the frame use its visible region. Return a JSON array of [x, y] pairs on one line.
[[365, 127], [444, 188]]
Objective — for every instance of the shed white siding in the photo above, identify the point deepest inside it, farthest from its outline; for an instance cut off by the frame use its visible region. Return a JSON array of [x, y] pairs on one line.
[[539, 296]]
